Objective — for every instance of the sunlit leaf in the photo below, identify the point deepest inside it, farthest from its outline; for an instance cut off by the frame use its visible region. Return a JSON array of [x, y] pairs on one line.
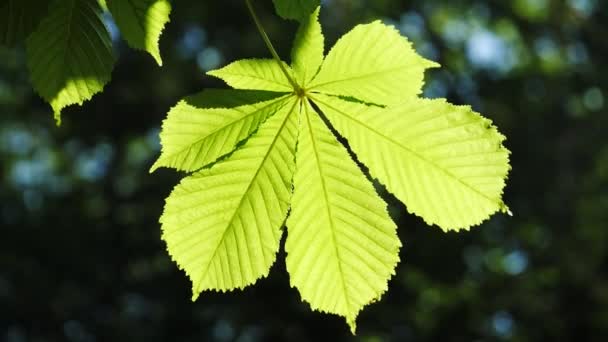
[[445, 162]]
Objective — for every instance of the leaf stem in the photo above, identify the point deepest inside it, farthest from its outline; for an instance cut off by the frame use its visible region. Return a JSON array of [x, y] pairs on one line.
[[268, 43]]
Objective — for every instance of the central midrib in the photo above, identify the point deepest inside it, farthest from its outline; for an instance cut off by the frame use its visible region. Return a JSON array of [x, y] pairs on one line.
[[363, 76], [329, 215]]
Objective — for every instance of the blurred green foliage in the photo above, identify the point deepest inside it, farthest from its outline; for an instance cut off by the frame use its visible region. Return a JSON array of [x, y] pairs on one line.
[[80, 252]]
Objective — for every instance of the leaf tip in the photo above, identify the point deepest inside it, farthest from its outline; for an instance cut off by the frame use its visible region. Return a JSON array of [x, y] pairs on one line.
[[505, 209], [316, 12], [57, 116], [158, 59], [429, 64], [153, 168], [214, 73], [352, 323], [218, 72]]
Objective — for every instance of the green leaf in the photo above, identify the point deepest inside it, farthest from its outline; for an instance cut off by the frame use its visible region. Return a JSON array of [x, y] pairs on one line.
[[445, 162], [374, 64], [141, 22], [296, 9], [342, 246], [259, 74], [70, 54], [194, 136], [223, 225], [307, 52], [18, 18]]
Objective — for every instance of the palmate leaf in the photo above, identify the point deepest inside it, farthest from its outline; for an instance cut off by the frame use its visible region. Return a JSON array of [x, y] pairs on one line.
[[445, 162], [342, 245], [141, 22], [70, 54], [223, 225]]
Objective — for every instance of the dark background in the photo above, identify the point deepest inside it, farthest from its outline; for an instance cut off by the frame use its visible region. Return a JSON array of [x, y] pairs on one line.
[[80, 252]]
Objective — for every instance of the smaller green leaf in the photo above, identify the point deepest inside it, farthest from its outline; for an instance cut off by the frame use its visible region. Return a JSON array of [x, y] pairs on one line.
[[141, 22], [223, 225], [307, 52], [19, 18], [296, 9], [70, 54], [194, 135], [258, 74]]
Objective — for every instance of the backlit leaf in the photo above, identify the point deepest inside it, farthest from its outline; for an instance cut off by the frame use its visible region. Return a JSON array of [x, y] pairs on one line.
[[445, 162]]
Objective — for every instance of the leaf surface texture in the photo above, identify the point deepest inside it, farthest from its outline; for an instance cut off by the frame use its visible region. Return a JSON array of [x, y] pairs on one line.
[[374, 64], [258, 74], [445, 162], [70, 54], [193, 137], [342, 246], [307, 53], [222, 225]]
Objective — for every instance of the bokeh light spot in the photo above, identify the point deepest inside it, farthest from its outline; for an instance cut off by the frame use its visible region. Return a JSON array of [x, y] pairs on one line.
[[593, 99]]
